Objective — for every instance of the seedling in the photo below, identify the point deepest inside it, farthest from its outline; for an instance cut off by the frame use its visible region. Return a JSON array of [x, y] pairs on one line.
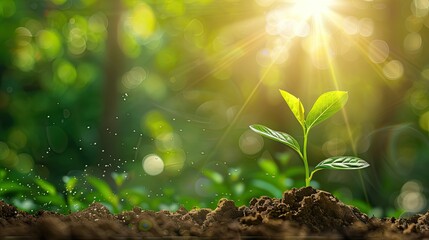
[[325, 107]]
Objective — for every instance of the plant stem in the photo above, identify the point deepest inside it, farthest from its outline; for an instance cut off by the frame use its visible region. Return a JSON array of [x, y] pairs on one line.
[[311, 175], [304, 158]]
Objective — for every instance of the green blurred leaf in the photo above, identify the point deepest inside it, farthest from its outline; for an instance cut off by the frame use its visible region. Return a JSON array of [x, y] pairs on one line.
[[104, 189], [342, 163], [75, 205], [119, 178], [325, 106], [275, 191], [134, 196], [277, 136], [295, 106], [2, 174], [234, 174], [283, 157], [70, 182], [214, 176], [294, 171], [45, 185], [8, 187], [56, 200], [268, 166]]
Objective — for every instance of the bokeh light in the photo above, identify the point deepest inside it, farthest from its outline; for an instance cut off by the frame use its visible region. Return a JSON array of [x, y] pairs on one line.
[[250, 143], [393, 70], [134, 78], [153, 164], [378, 51], [411, 198]]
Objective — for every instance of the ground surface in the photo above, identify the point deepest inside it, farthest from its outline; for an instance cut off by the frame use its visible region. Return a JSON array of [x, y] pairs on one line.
[[303, 213]]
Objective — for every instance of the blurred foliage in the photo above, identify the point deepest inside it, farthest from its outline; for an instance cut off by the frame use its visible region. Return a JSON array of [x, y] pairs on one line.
[[147, 103]]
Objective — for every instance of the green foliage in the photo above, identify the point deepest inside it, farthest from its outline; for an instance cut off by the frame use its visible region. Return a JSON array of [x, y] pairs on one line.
[[342, 163], [105, 192], [49, 188], [325, 107], [295, 106], [277, 136]]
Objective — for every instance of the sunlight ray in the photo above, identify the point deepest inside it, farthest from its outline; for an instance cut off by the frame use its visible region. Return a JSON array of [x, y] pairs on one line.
[[363, 44], [224, 61], [331, 67], [241, 110]]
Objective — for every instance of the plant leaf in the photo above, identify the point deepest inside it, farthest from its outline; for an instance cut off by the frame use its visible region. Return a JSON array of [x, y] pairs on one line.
[[277, 136], [295, 106], [70, 183], [269, 187], [325, 106], [104, 190], [119, 178], [342, 163], [214, 176], [45, 185], [268, 166]]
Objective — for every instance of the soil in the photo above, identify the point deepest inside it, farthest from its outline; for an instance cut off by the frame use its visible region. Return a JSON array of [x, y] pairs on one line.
[[303, 213]]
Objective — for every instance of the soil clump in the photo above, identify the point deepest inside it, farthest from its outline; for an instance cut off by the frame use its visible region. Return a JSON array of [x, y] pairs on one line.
[[304, 213]]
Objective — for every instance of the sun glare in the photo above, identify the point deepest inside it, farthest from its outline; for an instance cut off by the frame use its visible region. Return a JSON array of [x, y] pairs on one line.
[[310, 8]]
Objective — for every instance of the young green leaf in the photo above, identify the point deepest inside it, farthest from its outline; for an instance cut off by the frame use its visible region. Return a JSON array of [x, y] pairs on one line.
[[45, 185], [119, 178], [268, 166], [325, 106], [295, 106], [277, 136], [214, 176], [70, 183], [104, 189], [342, 163]]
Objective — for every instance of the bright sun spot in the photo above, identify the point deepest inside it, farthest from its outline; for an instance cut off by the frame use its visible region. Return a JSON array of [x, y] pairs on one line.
[[309, 8]]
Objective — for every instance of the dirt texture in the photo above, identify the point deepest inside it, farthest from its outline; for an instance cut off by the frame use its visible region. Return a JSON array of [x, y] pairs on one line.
[[303, 213]]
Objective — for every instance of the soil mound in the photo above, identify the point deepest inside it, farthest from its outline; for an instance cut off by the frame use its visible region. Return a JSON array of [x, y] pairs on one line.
[[303, 213]]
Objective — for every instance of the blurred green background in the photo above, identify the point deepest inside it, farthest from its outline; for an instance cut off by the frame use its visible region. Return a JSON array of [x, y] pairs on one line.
[[147, 103]]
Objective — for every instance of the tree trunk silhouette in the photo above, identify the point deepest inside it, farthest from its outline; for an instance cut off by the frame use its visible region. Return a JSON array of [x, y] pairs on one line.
[[112, 74]]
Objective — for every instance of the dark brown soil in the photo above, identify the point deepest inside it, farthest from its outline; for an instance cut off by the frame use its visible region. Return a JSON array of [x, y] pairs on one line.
[[303, 213]]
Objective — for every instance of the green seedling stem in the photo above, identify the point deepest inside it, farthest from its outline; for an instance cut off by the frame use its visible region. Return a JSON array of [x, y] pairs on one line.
[[305, 160], [325, 107]]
